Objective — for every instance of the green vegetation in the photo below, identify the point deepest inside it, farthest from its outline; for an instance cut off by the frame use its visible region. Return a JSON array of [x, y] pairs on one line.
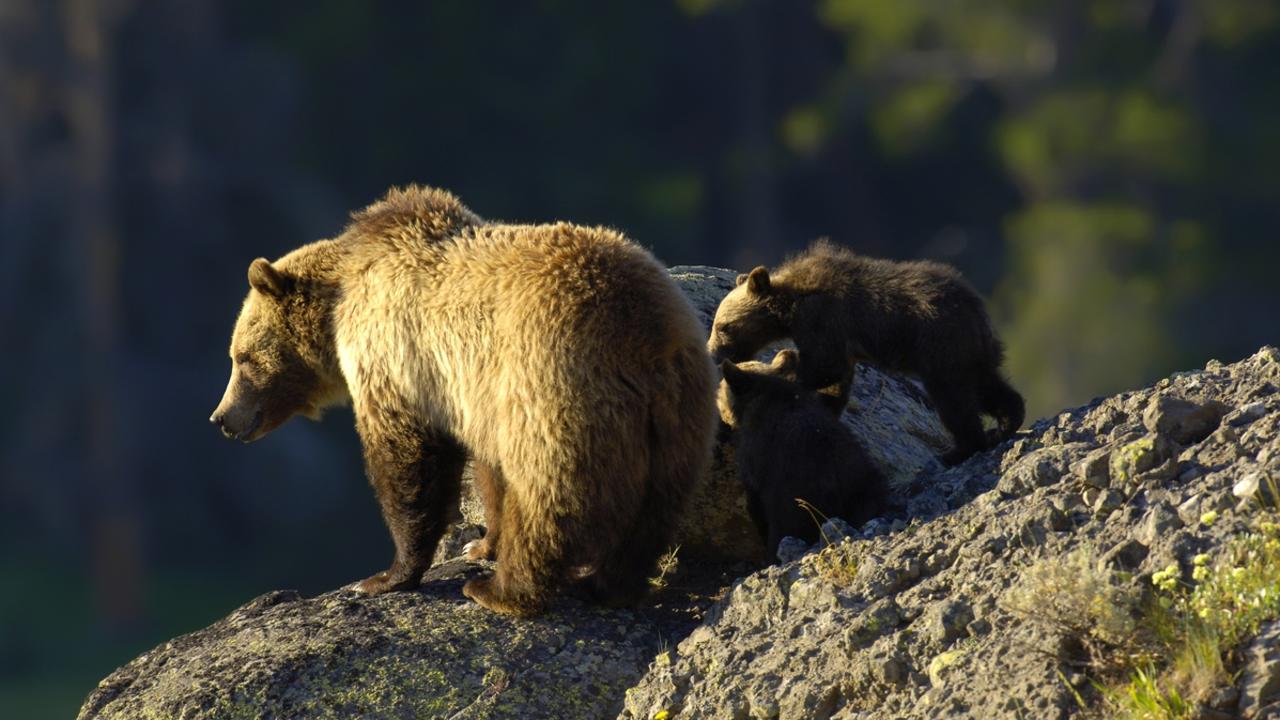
[[1198, 625], [1155, 656], [1105, 126]]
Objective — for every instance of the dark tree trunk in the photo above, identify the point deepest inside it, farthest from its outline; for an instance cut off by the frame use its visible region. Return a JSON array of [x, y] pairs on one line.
[[114, 525]]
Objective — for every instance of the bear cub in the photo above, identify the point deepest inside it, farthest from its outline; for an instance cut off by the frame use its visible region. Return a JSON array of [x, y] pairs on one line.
[[919, 318], [790, 446]]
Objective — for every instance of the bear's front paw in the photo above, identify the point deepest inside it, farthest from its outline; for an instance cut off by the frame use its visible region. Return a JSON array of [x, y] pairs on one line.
[[386, 581], [480, 549]]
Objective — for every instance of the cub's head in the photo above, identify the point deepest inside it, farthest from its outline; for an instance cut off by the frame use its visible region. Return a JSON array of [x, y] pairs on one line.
[[281, 357], [745, 383], [748, 318]]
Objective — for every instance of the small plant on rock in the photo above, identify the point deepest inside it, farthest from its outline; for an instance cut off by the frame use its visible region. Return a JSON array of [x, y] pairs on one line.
[[1083, 600], [835, 562], [667, 566]]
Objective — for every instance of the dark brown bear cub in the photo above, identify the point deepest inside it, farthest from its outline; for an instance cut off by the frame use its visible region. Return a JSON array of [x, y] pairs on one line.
[[918, 318], [789, 447]]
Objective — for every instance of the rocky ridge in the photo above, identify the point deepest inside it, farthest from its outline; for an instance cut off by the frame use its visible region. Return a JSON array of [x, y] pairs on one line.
[[911, 624], [900, 618]]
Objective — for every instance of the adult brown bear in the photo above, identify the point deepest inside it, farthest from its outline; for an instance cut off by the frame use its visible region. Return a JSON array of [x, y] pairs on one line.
[[562, 358]]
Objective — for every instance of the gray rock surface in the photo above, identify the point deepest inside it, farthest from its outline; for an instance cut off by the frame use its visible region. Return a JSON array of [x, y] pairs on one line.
[[423, 654], [1259, 694], [903, 617]]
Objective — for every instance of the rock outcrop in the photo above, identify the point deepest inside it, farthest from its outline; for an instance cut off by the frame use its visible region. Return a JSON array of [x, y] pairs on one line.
[[904, 617], [910, 623], [423, 654]]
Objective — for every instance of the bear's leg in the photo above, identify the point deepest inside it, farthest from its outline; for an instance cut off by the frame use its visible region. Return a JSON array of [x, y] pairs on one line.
[[491, 486], [759, 517], [528, 565], [957, 406], [680, 431], [826, 360], [417, 477], [623, 575], [679, 453], [1002, 402]]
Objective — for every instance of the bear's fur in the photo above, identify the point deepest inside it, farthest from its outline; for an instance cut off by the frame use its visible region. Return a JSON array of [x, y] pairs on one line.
[[785, 364], [563, 359], [918, 318], [789, 446]]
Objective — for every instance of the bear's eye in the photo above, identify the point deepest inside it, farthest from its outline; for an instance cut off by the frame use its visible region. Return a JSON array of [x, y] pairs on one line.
[[244, 359]]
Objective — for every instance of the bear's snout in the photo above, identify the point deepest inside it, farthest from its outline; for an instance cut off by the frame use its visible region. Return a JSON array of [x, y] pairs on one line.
[[220, 421], [234, 430]]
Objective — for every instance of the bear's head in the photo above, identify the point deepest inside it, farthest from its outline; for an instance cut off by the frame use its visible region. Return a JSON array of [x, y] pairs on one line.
[[748, 318], [744, 383], [282, 355]]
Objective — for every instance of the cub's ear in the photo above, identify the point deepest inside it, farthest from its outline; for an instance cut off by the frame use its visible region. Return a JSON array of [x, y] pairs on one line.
[[729, 370], [266, 279], [758, 280], [736, 377], [742, 277], [786, 360]]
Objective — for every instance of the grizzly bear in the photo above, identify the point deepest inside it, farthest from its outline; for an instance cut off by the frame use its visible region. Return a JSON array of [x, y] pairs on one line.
[[563, 359], [918, 318], [790, 447], [785, 364]]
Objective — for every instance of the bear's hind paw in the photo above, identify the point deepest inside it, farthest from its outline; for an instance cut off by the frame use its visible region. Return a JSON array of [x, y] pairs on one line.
[[484, 592]]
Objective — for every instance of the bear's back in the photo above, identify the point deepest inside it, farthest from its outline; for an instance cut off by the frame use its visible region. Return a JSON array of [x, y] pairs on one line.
[[484, 317], [577, 280]]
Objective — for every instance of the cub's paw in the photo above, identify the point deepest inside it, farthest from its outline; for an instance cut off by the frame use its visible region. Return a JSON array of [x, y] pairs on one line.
[[485, 593], [480, 549], [385, 581]]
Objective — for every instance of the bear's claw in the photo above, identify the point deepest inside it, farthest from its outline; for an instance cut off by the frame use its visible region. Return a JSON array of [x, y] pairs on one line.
[[385, 581], [478, 550]]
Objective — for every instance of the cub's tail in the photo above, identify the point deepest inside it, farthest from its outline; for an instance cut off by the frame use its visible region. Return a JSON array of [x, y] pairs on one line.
[[1002, 402]]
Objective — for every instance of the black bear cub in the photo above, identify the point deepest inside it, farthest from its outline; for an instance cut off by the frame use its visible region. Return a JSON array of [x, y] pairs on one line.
[[789, 446], [918, 318]]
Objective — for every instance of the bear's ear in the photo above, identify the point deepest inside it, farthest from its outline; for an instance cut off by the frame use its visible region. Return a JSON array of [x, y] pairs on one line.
[[742, 277], [266, 279], [758, 280], [786, 360]]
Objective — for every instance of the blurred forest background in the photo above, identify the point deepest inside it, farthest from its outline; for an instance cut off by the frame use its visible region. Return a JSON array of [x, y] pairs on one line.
[[1106, 171]]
